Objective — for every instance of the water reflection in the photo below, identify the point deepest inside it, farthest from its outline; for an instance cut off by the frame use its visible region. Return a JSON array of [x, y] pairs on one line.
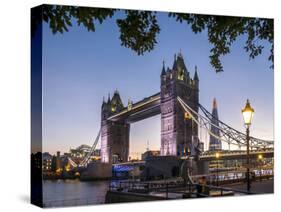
[[58, 193]]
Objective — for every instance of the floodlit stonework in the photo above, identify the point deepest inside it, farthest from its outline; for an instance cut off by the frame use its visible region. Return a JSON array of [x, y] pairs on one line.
[[179, 135]]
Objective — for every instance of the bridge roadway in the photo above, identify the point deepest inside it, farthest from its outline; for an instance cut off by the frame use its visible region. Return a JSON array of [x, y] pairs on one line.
[[143, 109], [232, 155]]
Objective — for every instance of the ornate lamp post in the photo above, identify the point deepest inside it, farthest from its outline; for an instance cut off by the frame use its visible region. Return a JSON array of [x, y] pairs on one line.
[[248, 113], [217, 157]]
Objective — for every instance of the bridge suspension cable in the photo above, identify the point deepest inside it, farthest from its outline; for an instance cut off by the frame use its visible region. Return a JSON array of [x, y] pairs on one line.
[[237, 135], [72, 163], [204, 122], [228, 134], [86, 159]]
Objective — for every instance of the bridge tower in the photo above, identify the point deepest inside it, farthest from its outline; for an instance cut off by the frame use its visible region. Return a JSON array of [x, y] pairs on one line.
[[114, 135], [179, 136]]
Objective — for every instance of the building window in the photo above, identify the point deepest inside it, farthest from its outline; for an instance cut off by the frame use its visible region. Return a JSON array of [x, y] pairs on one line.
[[181, 75]]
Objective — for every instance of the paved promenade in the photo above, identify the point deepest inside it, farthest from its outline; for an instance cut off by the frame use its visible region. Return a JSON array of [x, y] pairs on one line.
[[265, 186]]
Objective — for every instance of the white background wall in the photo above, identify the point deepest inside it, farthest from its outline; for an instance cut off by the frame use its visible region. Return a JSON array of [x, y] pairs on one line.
[[15, 102]]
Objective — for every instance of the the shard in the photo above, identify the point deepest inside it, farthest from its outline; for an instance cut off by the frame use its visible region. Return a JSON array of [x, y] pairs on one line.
[[215, 142]]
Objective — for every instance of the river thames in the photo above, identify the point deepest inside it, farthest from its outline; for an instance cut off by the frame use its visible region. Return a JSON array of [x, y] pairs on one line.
[[58, 193]]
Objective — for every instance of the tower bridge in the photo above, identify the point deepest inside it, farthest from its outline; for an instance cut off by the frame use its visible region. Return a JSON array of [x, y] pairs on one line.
[[177, 133], [182, 117]]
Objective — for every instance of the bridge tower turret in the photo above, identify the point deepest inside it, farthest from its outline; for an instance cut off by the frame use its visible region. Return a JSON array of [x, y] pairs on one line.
[[178, 135], [114, 135]]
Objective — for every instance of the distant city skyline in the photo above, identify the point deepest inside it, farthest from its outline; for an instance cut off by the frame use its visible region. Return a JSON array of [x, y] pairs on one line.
[[81, 67]]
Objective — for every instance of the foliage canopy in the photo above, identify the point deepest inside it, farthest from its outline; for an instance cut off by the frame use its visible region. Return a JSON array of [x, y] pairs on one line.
[[139, 29]]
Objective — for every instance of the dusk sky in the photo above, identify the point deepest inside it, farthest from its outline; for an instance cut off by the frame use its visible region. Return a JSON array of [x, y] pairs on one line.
[[80, 67]]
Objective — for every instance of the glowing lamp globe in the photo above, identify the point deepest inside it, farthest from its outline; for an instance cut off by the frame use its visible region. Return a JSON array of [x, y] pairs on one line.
[[217, 155], [248, 113]]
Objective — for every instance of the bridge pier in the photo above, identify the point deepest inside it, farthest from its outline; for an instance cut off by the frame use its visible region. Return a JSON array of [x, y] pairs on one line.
[[161, 167], [97, 171], [170, 166], [200, 167]]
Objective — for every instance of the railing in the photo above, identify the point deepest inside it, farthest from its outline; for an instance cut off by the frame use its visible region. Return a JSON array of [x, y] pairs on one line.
[[147, 187], [222, 178], [187, 189], [222, 189]]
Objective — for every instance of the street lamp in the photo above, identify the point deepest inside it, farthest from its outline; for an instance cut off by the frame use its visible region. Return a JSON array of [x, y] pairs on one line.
[[217, 157], [248, 113], [260, 158]]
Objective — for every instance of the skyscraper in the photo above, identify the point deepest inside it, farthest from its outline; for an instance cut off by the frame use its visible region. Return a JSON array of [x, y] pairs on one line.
[[215, 143]]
